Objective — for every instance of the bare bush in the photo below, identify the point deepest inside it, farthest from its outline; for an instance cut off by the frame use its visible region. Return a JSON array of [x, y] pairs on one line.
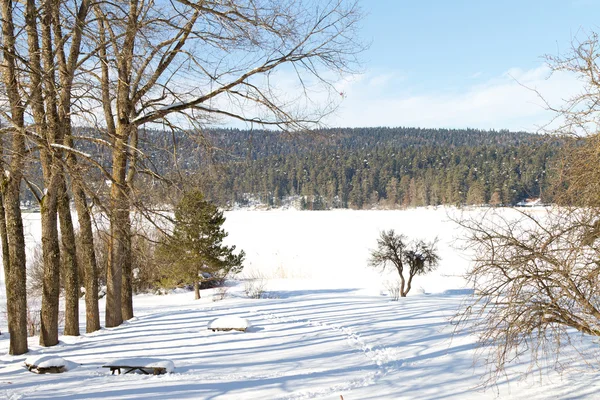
[[220, 293], [255, 285], [35, 274], [393, 289], [534, 278], [34, 318]]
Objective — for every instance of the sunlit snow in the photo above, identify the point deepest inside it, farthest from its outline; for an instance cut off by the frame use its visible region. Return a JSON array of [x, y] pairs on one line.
[[325, 326]]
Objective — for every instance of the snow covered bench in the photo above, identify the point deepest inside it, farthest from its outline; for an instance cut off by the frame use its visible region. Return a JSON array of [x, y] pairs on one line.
[[46, 364], [146, 366], [229, 323]]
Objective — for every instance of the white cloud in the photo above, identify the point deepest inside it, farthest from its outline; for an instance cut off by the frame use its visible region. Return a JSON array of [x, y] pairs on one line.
[[508, 101]]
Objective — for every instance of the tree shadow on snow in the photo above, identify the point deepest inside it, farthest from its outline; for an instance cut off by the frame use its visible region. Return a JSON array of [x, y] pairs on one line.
[[286, 294]]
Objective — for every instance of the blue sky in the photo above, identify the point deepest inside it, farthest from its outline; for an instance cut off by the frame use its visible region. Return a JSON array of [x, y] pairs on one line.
[[436, 63]]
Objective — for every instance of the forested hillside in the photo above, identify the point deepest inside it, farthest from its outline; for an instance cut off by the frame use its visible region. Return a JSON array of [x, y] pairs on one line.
[[364, 167], [344, 168]]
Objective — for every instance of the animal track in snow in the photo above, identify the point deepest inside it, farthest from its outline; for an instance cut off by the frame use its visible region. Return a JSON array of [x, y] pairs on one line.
[[378, 356]]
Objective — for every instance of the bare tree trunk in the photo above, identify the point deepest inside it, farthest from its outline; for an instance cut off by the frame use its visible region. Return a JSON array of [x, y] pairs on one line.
[[4, 238], [119, 222], [51, 257], [67, 66], [16, 293], [119, 204], [196, 289], [113, 313], [402, 284], [127, 284], [127, 288], [16, 290], [69, 263], [408, 285], [86, 244], [47, 123]]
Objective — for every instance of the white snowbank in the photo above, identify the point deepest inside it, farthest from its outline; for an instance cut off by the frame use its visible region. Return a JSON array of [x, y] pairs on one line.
[[144, 362], [229, 323]]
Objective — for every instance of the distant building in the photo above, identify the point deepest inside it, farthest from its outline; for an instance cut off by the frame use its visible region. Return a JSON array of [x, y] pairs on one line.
[[532, 202]]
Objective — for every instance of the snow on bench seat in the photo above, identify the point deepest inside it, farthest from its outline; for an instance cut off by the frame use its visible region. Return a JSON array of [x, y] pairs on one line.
[[144, 365], [45, 364], [229, 323]]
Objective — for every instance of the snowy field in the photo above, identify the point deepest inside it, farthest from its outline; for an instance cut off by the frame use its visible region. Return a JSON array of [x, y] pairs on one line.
[[325, 329]]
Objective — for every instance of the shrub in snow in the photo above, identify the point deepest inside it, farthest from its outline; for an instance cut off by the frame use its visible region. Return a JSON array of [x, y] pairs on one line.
[[228, 324], [393, 289], [220, 293], [34, 320], [254, 286]]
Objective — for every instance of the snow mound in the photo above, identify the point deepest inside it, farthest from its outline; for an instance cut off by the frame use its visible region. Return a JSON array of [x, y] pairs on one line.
[[44, 364], [229, 323], [46, 361], [144, 362]]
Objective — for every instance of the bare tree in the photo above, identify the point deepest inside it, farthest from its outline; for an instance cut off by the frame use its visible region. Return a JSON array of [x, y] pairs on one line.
[[68, 49], [537, 276], [183, 63], [409, 259], [12, 232], [38, 75], [534, 278], [43, 104]]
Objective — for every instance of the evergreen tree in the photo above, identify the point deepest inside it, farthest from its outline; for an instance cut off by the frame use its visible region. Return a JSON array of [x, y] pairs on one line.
[[195, 250]]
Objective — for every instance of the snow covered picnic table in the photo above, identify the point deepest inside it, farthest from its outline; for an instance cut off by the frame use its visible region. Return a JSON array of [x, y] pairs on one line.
[[229, 323], [146, 366], [45, 364]]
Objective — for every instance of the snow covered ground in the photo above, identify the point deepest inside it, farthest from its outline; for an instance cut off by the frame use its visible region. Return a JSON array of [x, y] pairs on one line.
[[325, 328]]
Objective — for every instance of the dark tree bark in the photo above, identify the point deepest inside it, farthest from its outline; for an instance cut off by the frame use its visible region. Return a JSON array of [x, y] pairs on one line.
[[127, 288], [16, 290], [119, 222], [16, 294], [69, 264], [86, 244], [4, 238], [127, 284], [67, 65], [46, 120], [196, 290]]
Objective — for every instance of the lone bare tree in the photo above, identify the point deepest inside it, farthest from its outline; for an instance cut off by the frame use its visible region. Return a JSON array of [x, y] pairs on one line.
[[410, 259]]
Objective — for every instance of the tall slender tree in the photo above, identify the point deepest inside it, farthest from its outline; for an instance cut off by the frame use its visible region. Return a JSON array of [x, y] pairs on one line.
[[14, 265]]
